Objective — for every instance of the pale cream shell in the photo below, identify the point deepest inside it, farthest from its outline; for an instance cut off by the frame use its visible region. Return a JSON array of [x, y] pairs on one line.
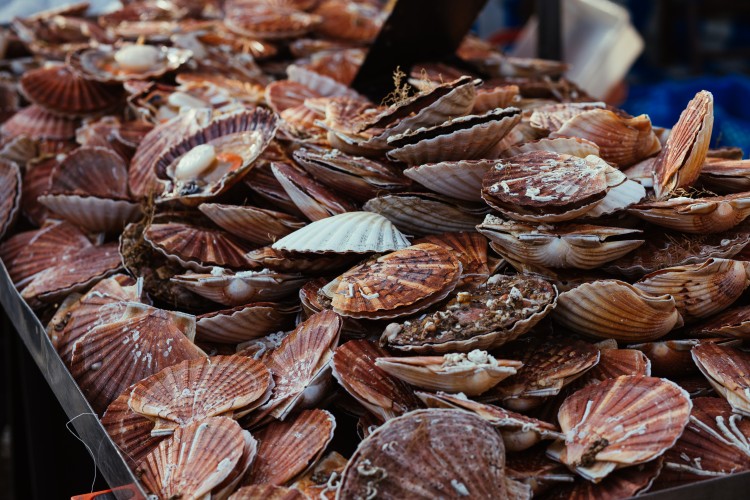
[[94, 214], [458, 179], [243, 287]]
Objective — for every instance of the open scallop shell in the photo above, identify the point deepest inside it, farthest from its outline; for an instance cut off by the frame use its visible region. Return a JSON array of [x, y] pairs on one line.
[[615, 309], [130, 431], [733, 323], [519, 432], [728, 371], [679, 162], [477, 319], [651, 414], [195, 460], [10, 195], [245, 135], [224, 385], [98, 63], [60, 91], [197, 248], [460, 179], [34, 121], [420, 455], [256, 225], [622, 141], [469, 137], [351, 232], [355, 368], [423, 213], [245, 322], [142, 342], [472, 373], [288, 448], [471, 250], [579, 246], [696, 215], [700, 290], [322, 480], [397, 284], [235, 289]]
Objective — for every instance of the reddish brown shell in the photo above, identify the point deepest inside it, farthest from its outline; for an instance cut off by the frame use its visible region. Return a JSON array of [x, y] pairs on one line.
[[142, 342], [74, 173], [288, 448], [130, 431], [34, 121], [10, 195], [420, 455], [625, 483], [269, 22], [355, 369], [267, 492], [60, 91], [311, 198], [245, 322], [284, 94], [728, 371], [232, 289], [397, 284], [224, 385], [36, 183], [195, 460], [356, 22], [256, 225], [732, 323], [471, 250], [614, 363]]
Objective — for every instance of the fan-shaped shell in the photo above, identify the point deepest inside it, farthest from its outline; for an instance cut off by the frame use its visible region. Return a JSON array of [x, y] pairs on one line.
[[235, 289], [197, 248], [320, 83], [464, 138], [60, 91], [574, 146], [696, 215], [500, 96], [400, 283], [679, 162], [10, 195], [565, 245], [356, 22], [471, 250], [733, 322], [725, 176], [256, 225], [267, 492], [699, 290], [519, 432], [285, 94], [460, 179], [355, 368], [614, 363], [549, 118], [91, 212], [34, 121], [224, 385], [99, 63], [288, 448], [728, 371], [311, 198], [618, 310], [420, 455], [622, 141], [351, 232], [74, 173], [477, 319], [245, 322], [270, 22], [142, 342], [472, 373], [130, 431], [651, 414], [195, 460]]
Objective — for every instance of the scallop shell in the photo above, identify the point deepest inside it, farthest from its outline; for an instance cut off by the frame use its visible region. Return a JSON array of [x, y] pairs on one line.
[[626, 483], [549, 118], [285, 94], [278, 260], [142, 342], [256, 225], [489, 98], [464, 138], [355, 368], [428, 459], [672, 358], [270, 22], [60, 91], [322, 84], [73, 174], [263, 183], [614, 363], [10, 195], [460, 179], [725, 176], [300, 364], [426, 273], [322, 480], [546, 187], [471, 250], [422, 213], [700, 290], [225, 385], [245, 134], [92, 213], [20, 150], [574, 146], [728, 371], [356, 22], [351, 232], [197, 248], [732, 323], [267, 492], [98, 63], [34, 121], [195, 460], [242, 323], [130, 431], [696, 215], [622, 141], [519, 432], [311, 198], [288, 448], [470, 374], [483, 319], [679, 162], [234, 289], [651, 415], [578, 246], [597, 309]]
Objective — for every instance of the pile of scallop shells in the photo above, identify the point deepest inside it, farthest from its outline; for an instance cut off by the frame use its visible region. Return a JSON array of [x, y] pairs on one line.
[[267, 286]]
